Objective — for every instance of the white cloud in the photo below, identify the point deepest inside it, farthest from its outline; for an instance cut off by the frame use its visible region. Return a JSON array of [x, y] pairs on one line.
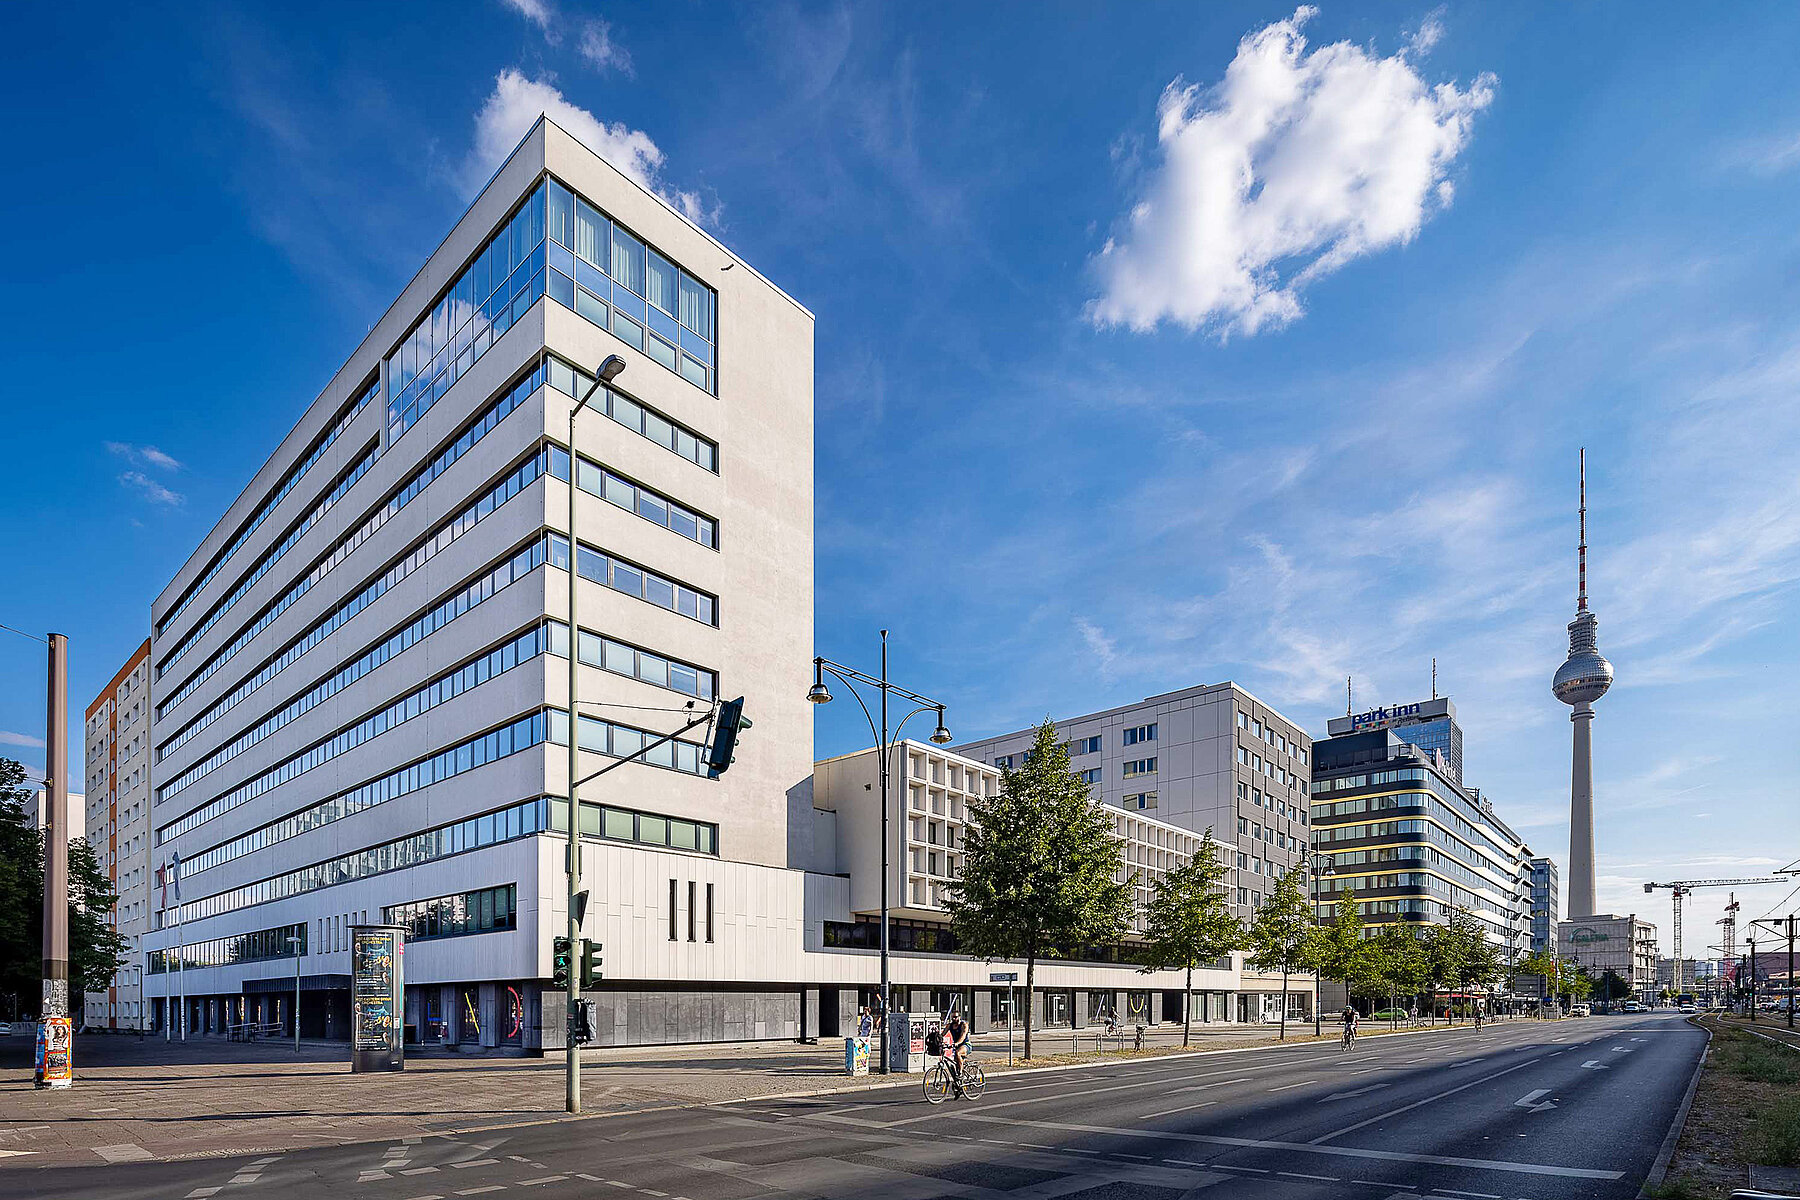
[[537, 12], [514, 107], [1290, 167], [144, 456], [601, 52], [152, 491], [9, 738]]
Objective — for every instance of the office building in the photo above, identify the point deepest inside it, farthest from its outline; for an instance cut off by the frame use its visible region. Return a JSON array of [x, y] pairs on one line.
[[360, 677], [1210, 757], [1411, 842], [117, 811], [929, 792], [1428, 724], [1544, 905], [1626, 946]]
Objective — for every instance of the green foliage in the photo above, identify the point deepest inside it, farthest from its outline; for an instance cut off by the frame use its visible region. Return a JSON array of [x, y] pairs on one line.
[[1773, 1138], [1188, 921], [1338, 950], [1040, 867], [1400, 960], [1612, 986], [96, 950], [1281, 936]]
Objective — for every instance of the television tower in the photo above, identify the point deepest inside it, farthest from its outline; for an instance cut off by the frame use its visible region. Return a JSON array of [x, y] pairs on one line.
[[1579, 682]]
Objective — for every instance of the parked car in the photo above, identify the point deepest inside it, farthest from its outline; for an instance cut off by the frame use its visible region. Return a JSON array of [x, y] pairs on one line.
[[5, 1029], [1580, 1010], [1389, 1014]]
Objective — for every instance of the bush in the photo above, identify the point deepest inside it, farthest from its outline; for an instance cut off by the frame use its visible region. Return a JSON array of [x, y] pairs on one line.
[[1751, 1058]]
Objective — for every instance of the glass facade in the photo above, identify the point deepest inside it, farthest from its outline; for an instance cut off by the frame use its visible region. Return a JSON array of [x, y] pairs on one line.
[[555, 243], [259, 946], [484, 911]]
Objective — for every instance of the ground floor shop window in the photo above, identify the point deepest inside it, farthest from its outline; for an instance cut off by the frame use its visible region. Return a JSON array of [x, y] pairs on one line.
[[469, 1014], [512, 1021]]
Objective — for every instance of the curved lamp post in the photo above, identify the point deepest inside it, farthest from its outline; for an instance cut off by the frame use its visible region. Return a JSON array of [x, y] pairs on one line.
[[885, 743]]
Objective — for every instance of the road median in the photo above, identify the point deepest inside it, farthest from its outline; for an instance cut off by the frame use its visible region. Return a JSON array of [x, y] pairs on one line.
[[1742, 1126]]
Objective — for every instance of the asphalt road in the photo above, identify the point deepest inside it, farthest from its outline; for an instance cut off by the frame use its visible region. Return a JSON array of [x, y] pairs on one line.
[[1546, 1111]]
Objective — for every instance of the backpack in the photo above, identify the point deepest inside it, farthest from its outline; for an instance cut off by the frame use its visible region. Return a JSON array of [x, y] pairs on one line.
[[934, 1043]]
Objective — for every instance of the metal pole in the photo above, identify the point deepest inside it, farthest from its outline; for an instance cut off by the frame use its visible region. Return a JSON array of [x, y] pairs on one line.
[[298, 949], [1790, 970], [1011, 1017], [1753, 974], [572, 1052], [56, 826], [887, 1005]]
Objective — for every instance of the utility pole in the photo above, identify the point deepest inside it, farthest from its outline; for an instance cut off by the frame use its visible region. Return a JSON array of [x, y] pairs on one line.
[[57, 1026]]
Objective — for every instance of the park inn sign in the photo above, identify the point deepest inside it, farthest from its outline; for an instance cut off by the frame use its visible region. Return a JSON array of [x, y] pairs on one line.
[[1381, 718]]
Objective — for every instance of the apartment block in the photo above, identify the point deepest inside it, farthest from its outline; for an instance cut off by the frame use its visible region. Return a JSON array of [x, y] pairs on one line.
[[116, 810]]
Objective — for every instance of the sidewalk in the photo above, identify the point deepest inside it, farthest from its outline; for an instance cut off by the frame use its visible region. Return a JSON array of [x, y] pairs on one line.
[[137, 1100]]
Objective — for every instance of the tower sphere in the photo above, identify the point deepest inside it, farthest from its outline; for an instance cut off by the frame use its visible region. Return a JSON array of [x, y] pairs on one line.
[[1586, 675]]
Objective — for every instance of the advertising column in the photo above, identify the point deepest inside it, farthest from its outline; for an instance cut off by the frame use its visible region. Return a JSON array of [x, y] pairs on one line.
[[377, 996]]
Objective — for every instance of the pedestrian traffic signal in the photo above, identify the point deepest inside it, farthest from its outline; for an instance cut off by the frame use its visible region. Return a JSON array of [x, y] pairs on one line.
[[590, 963], [725, 735], [560, 957]]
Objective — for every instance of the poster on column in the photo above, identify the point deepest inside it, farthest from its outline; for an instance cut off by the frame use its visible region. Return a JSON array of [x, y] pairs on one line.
[[377, 998]]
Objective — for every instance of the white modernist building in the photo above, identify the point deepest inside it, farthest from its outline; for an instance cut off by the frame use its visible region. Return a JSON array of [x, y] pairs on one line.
[[1624, 945], [117, 809]]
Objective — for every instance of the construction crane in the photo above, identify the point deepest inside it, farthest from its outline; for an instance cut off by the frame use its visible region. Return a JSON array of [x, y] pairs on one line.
[[1729, 921], [1680, 888]]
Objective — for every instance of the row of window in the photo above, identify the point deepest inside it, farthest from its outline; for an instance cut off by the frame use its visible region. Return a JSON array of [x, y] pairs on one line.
[[274, 555], [479, 426], [640, 828], [446, 687], [622, 741], [1139, 801], [1138, 766], [1085, 745], [1480, 843], [633, 580], [646, 422], [513, 821], [470, 595], [596, 480], [1269, 800], [1140, 733], [623, 659], [1249, 758], [258, 946], [693, 911], [1266, 732], [484, 911], [521, 734], [427, 548], [1344, 783], [295, 473]]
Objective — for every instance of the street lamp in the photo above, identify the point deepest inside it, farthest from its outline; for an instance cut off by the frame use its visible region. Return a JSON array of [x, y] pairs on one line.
[[294, 944], [820, 694], [1322, 864], [609, 370]]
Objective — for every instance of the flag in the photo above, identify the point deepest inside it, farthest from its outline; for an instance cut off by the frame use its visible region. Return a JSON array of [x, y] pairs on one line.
[[175, 873]]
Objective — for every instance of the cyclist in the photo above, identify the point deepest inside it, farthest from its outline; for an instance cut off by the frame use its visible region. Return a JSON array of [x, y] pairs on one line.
[[956, 1033], [1349, 1018]]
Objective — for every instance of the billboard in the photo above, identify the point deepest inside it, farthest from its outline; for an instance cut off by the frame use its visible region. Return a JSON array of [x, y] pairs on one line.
[[377, 998]]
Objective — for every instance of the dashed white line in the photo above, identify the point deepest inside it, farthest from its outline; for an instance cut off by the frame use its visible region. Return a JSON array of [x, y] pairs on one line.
[[1303, 1175], [1284, 1087], [1184, 1108]]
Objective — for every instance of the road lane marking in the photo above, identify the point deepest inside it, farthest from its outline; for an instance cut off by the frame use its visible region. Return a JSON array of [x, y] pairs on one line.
[[1284, 1087], [1534, 1100], [475, 1162], [1201, 1087], [540, 1179], [1421, 1103], [1303, 1175], [1477, 1195], [1184, 1108], [1208, 1139], [1361, 1091], [1594, 1064]]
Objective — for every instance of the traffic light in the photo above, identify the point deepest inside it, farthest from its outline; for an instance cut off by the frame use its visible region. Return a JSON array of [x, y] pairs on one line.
[[725, 735], [591, 961], [559, 962], [581, 1026]]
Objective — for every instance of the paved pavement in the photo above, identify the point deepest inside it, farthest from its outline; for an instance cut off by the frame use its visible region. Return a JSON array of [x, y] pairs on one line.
[[1546, 1111]]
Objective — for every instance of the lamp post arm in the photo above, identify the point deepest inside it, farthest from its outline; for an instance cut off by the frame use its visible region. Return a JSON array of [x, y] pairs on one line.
[[849, 681], [895, 740], [852, 676]]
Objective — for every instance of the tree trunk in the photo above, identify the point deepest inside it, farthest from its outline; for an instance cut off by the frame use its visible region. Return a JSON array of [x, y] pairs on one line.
[[1030, 973], [1393, 1009], [1282, 1024], [1187, 1007]]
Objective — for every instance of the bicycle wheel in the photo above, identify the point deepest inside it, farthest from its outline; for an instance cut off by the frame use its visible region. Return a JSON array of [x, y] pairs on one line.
[[974, 1081], [937, 1084]]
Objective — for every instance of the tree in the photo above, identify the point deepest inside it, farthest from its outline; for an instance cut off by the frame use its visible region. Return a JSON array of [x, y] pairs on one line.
[[1042, 871], [1613, 986], [1278, 938], [1188, 921], [96, 949], [1337, 950], [1401, 962], [1543, 964]]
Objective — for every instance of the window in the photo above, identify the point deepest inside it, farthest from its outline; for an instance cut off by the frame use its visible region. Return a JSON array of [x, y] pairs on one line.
[[1140, 800], [692, 887], [647, 422], [1085, 745], [1243, 719], [1243, 825], [1091, 776], [482, 911], [1004, 762], [1140, 733], [709, 912], [622, 658], [654, 507], [672, 913], [633, 580], [1139, 766]]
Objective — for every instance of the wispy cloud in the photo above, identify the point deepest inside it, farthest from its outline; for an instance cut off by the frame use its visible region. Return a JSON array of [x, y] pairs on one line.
[[601, 51], [514, 106], [1293, 165], [144, 456], [151, 490], [9, 738], [538, 13]]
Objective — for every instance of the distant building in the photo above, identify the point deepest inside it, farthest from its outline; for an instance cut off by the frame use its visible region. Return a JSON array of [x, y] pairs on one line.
[[35, 817], [118, 812], [1624, 945], [1545, 886], [1428, 724], [1691, 971]]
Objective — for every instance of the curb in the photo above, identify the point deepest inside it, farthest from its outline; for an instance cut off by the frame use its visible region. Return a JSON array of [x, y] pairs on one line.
[[1660, 1168]]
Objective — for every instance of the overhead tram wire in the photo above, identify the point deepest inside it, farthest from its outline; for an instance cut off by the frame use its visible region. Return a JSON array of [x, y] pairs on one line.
[[34, 637]]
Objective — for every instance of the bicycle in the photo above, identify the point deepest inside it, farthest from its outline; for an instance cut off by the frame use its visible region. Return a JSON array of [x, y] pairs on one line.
[[940, 1082], [1349, 1036]]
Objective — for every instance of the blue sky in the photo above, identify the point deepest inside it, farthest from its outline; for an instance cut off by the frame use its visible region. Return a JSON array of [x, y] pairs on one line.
[[1157, 345]]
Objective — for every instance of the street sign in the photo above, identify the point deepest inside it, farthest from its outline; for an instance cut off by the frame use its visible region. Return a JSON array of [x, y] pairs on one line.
[[1003, 977]]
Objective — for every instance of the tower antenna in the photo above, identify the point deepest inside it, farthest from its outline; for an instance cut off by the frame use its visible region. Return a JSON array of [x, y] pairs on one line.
[[1581, 551], [1349, 704], [1434, 677]]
